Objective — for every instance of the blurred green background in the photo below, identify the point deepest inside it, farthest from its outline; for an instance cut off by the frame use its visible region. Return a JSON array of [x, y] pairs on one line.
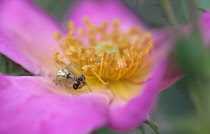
[[178, 109]]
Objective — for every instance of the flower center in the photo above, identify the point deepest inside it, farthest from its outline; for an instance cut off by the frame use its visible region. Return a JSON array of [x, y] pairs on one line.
[[105, 53]]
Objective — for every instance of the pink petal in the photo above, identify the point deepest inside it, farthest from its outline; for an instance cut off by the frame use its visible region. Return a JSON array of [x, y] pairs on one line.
[[204, 23], [31, 33], [11, 50], [164, 46], [173, 73], [28, 106], [100, 10], [137, 109]]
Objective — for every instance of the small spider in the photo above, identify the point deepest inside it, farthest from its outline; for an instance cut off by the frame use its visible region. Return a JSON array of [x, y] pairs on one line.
[[67, 75]]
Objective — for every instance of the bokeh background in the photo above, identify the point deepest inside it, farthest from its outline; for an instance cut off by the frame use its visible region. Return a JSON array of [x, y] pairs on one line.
[[182, 108]]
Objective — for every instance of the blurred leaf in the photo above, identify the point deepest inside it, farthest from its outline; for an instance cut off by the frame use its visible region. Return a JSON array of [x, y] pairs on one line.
[[191, 54], [181, 9], [142, 129], [3, 64], [205, 4], [104, 131], [55, 7], [9, 67], [149, 11]]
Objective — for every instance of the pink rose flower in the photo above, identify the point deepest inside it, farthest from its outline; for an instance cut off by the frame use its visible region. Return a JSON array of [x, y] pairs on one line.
[[119, 101]]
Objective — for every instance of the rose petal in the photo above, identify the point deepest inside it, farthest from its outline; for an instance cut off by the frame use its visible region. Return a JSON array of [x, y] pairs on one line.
[[31, 31], [29, 106], [100, 10], [163, 48], [136, 110], [173, 73], [204, 23], [11, 50]]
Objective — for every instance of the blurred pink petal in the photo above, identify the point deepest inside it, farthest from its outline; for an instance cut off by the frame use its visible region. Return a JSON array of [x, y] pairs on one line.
[[103, 10], [164, 46], [204, 24], [31, 33], [173, 73], [11, 50], [28, 105]]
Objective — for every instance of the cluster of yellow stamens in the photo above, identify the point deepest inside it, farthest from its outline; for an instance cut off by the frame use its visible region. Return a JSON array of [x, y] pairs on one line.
[[106, 53]]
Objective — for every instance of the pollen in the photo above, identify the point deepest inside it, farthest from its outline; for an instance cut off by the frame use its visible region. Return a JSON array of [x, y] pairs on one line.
[[106, 53]]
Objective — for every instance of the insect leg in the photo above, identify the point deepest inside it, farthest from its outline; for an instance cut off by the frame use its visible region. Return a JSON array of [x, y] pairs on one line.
[[63, 86], [89, 88], [63, 65], [74, 65]]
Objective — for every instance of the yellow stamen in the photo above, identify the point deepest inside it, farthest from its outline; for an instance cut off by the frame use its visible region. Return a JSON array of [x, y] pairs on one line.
[[111, 55], [57, 36]]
